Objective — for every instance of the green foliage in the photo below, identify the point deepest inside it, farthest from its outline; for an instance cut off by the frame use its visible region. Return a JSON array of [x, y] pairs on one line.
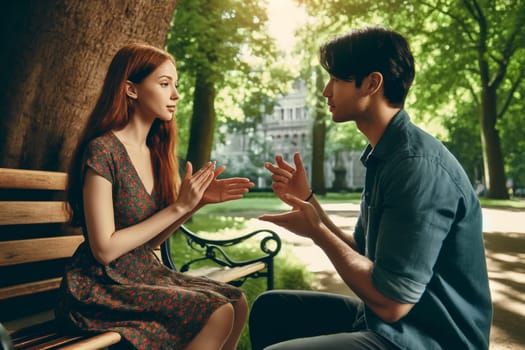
[[227, 42], [506, 204], [513, 140], [464, 141], [453, 42], [465, 51], [344, 136]]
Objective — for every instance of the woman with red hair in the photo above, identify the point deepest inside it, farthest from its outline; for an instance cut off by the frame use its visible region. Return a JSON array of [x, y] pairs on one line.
[[126, 194]]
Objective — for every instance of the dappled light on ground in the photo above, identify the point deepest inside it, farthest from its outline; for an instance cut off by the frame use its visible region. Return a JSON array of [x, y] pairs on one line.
[[505, 259]]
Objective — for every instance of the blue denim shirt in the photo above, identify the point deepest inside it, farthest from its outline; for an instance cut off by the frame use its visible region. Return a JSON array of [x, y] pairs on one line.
[[420, 223]]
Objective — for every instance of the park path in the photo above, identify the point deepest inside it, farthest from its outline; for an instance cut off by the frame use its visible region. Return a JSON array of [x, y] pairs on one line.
[[504, 233]]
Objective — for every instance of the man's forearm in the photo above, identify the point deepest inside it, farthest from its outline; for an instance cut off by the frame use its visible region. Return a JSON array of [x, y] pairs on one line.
[[356, 271]]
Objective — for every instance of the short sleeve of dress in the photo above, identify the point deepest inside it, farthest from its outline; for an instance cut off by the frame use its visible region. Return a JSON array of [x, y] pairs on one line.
[[98, 157]]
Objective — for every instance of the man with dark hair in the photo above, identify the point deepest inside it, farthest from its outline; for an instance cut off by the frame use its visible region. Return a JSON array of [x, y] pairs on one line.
[[416, 258]]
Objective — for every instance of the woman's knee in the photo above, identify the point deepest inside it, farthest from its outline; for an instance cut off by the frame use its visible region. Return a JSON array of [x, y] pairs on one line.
[[216, 330], [224, 315], [241, 308]]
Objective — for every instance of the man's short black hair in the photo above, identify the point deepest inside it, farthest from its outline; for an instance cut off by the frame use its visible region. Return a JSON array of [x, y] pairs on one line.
[[372, 49]]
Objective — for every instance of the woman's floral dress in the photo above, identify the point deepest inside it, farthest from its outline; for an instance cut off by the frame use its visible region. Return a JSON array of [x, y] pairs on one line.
[[151, 306]]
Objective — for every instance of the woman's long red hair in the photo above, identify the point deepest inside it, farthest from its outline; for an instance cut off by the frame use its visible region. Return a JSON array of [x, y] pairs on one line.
[[112, 111]]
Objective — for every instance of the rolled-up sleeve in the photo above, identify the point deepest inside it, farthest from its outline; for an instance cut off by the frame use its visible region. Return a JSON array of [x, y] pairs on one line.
[[413, 219]]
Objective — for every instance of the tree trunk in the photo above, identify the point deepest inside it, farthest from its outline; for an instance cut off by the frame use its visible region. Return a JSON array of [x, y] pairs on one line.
[[202, 121], [319, 138], [59, 51], [490, 140]]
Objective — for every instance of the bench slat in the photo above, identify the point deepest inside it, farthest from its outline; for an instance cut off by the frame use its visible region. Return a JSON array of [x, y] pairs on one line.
[[53, 344], [29, 288], [41, 336], [95, 342], [20, 213], [32, 179], [45, 341], [38, 249], [228, 274]]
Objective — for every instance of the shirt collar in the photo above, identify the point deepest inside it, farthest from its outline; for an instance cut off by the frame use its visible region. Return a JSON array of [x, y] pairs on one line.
[[388, 141]]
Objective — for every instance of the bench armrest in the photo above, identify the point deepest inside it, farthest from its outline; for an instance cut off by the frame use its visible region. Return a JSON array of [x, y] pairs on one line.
[[270, 245]]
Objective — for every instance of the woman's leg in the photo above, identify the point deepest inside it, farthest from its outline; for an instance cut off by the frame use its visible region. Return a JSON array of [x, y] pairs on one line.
[[216, 330], [241, 314], [277, 316]]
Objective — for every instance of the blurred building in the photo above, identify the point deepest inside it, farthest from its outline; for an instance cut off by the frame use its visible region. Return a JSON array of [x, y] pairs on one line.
[[286, 131]]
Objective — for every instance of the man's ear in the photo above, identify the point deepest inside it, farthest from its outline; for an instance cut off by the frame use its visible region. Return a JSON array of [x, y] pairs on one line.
[[374, 82], [131, 90]]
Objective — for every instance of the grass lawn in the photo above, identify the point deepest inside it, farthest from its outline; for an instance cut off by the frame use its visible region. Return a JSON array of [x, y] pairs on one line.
[[514, 203]]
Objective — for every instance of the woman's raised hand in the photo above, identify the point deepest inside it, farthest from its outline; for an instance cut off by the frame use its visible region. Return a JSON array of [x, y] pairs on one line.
[[289, 180], [193, 186], [222, 190]]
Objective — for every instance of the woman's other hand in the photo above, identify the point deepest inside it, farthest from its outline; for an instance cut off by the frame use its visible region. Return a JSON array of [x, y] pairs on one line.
[[193, 186], [222, 190]]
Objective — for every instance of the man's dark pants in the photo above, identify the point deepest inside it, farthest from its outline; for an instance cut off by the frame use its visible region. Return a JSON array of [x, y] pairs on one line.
[[293, 320]]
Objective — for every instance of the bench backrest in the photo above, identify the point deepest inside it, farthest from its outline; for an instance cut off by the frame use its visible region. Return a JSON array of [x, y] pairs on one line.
[[35, 240]]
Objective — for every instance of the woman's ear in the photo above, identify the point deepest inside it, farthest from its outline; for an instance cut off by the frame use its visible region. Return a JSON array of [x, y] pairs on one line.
[[131, 90], [374, 82]]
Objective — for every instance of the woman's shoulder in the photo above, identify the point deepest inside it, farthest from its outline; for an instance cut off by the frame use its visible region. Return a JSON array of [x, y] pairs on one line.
[[106, 143], [104, 155]]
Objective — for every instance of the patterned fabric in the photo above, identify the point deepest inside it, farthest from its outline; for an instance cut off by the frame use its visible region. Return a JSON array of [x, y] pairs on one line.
[[151, 306]]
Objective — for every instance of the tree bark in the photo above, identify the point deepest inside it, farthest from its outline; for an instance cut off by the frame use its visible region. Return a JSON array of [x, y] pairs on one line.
[[494, 168], [490, 140], [202, 121], [319, 138], [59, 51]]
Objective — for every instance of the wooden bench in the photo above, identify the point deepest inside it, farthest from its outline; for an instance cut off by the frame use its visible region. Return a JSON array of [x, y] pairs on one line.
[[36, 242]]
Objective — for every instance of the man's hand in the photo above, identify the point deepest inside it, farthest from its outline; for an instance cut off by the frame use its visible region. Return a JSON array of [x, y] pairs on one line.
[[222, 190], [303, 220], [289, 180]]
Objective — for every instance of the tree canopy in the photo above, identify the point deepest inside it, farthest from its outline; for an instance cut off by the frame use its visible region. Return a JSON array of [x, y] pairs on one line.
[[469, 56], [227, 62]]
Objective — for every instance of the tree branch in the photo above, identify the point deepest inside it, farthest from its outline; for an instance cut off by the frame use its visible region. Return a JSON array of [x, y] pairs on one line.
[[474, 94], [510, 96], [508, 52], [458, 19]]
